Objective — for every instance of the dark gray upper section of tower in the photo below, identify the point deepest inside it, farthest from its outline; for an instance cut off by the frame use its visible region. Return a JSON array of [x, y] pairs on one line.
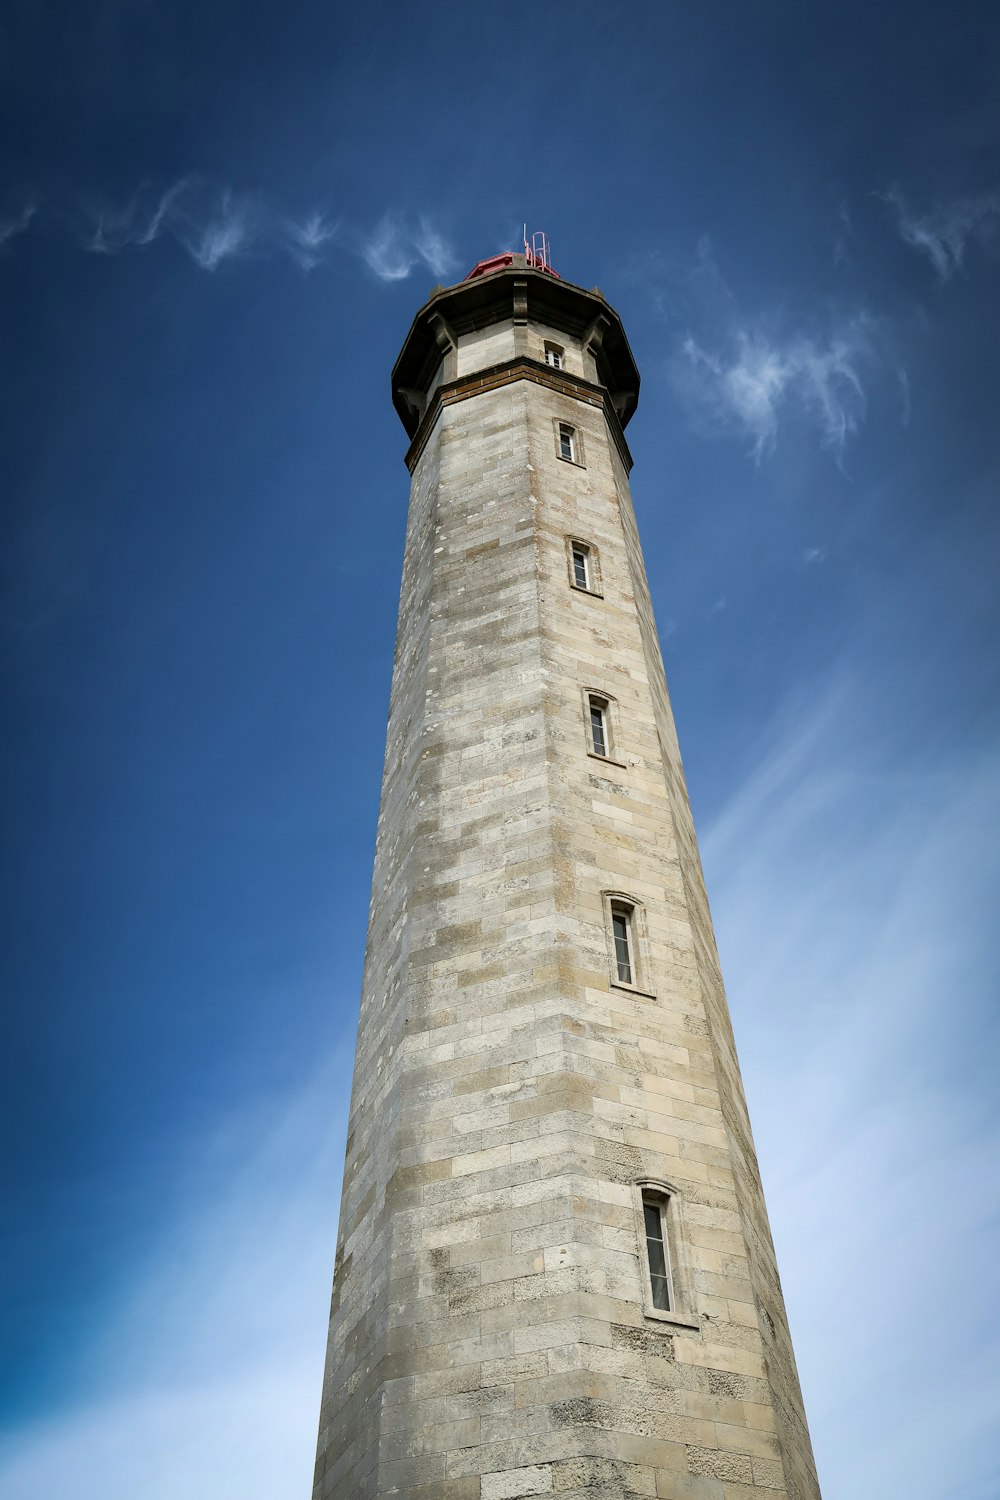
[[517, 293]]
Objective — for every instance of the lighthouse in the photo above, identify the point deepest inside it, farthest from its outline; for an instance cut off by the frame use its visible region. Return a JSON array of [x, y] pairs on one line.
[[554, 1273]]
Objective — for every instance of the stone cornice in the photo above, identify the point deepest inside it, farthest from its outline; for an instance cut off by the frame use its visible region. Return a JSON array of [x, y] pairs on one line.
[[494, 376], [515, 296]]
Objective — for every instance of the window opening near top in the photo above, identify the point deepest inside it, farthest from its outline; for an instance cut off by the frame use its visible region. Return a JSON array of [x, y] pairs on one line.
[[554, 356], [567, 442], [581, 568], [621, 926], [598, 727], [656, 1251]]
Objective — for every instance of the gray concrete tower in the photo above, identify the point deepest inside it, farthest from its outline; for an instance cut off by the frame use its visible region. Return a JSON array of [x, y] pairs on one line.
[[554, 1272]]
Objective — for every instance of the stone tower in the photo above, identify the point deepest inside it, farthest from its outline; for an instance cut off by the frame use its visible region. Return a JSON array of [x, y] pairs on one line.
[[554, 1272]]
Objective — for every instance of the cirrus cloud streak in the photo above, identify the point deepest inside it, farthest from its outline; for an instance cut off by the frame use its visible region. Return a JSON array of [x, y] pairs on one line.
[[15, 224], [220, 225], [944, 233], [757, 381]]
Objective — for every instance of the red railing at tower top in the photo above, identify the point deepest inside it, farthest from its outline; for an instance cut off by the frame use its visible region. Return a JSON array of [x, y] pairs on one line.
[[537, 254], [538, 251]]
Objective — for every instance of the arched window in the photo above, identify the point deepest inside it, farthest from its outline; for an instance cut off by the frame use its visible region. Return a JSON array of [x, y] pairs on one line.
[[628, 955], [655, 1206], [599, 719], [665, 1261], [569, 443], [624, 942], [584, 566]]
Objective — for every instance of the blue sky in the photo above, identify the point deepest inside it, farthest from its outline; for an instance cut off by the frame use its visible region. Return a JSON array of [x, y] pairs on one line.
[[216, 222]]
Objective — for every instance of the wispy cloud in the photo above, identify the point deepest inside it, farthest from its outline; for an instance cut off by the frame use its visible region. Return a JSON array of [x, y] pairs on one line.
[[685, 288], [110, 229], [905, 398], [217, 225], [432, 248], [393, 248], [163, 210], [229, 229], [757, 381], [841, 245], [308, 238], [944, 232], [16, 224], [759, 373], [111, 232], [212, 225]]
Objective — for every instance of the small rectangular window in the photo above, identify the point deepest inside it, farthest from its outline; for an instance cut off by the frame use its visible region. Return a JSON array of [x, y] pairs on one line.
[[621, 926], [583, 563], [567, 442], [554, 356], [599, 726], [654, 1210]]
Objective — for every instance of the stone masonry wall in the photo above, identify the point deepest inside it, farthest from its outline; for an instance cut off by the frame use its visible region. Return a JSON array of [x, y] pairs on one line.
[[352, 1388], [799, 1469], [490, 1338]]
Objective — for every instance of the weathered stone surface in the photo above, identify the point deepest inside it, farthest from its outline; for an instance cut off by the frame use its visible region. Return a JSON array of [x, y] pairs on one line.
[[489, 1333]]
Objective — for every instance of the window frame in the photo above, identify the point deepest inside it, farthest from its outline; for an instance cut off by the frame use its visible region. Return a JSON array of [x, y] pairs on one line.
[[600, 722], [676, 1251], [623, 940], [554, 355], [592, 561], [612, 726], [620, 903], [656, 1206], [574, 437]]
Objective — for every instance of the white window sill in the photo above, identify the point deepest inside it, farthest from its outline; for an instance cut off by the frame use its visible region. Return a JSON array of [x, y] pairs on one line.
[[607, 760], [633, 989], [675, 1319], [594, 593]]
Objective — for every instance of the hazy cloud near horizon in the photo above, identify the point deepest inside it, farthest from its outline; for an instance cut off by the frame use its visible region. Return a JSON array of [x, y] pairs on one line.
[[860, 1135], [209, 1365], [843, 1109]]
